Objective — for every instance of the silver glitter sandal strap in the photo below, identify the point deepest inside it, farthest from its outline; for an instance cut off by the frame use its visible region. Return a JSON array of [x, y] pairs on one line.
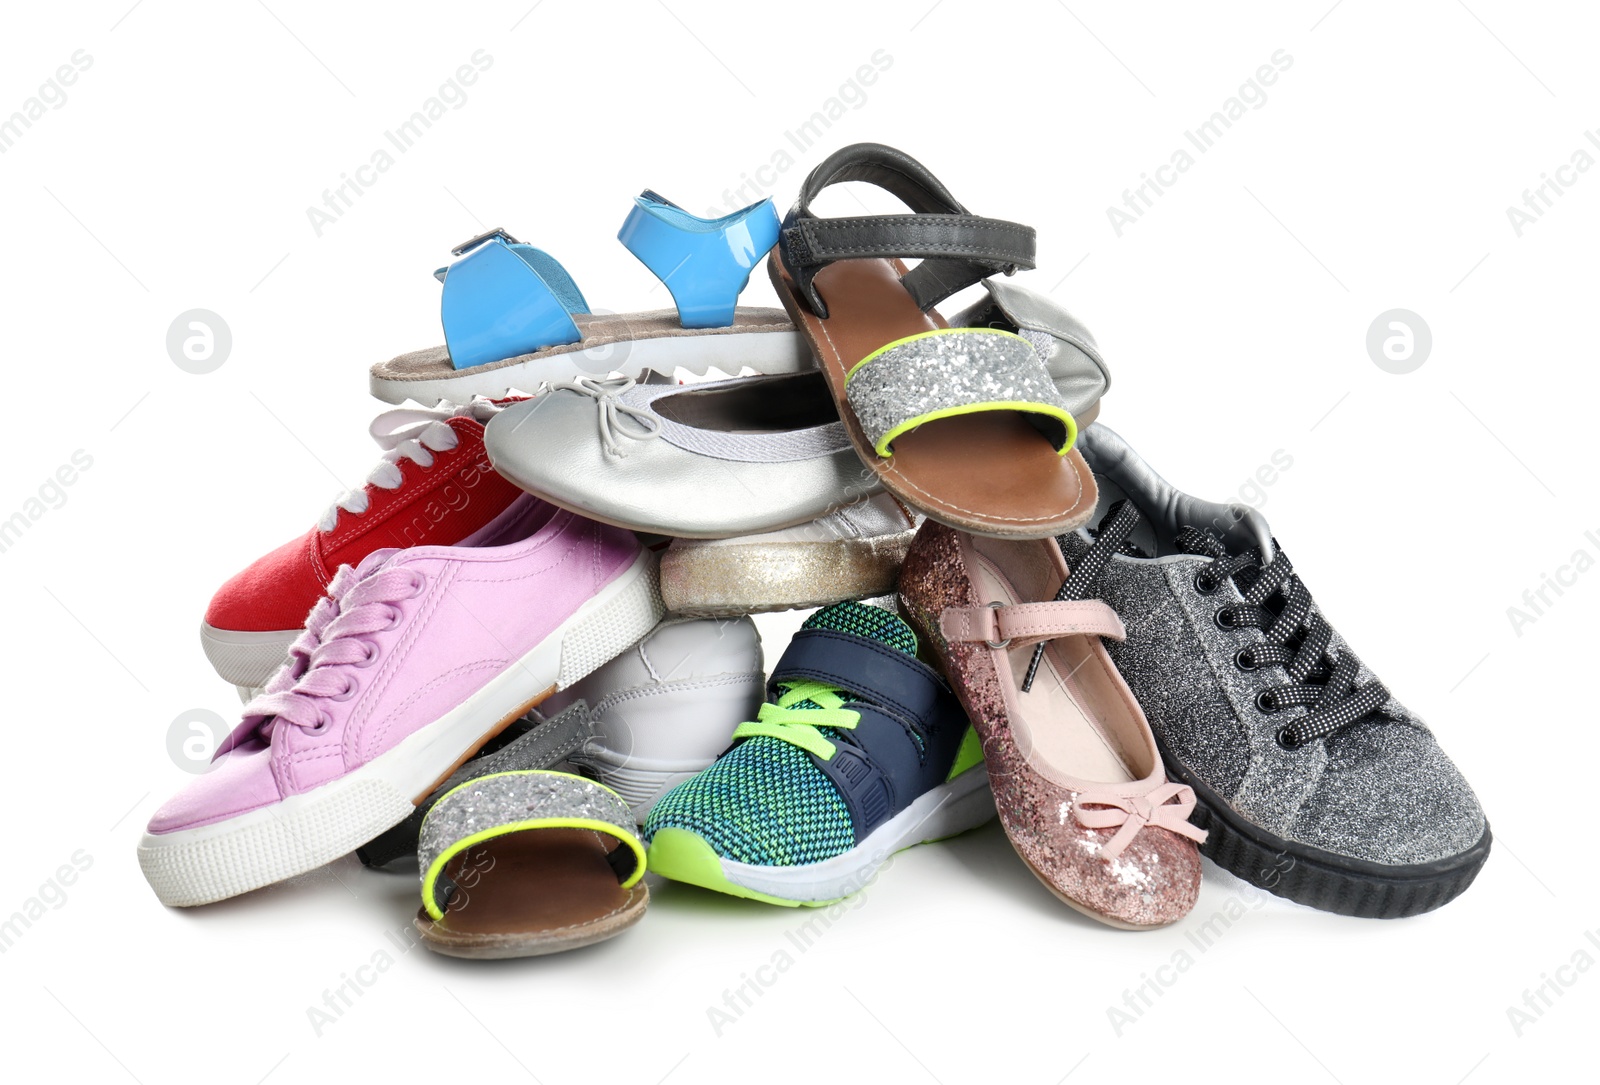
[[952, 371], [503, 803]]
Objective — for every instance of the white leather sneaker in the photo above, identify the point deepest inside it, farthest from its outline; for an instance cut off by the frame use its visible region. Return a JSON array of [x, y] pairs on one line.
[[664, 709]]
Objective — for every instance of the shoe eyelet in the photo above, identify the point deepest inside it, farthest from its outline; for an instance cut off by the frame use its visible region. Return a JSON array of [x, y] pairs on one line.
[[1286, 740], [1244, 659], [371, 656], [320, 726], [349, 691], [1206, 585], [419, 584], [395, 615], [1002, 643], [1222, 618], [1266, 703]]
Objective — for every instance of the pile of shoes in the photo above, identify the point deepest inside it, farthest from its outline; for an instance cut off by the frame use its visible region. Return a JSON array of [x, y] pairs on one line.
[[521, 654]]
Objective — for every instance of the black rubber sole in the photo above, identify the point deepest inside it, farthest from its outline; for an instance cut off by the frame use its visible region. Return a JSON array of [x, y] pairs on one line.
[[1321, 879]]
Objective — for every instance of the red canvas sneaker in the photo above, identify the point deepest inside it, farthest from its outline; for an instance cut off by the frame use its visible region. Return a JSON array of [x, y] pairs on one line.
[[434, 486]]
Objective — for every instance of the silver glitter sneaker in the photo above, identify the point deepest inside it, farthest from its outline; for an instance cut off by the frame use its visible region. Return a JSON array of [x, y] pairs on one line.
[[1313, 781]]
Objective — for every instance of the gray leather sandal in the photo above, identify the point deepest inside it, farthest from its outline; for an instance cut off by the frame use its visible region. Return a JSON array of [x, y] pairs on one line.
[[964, 424]]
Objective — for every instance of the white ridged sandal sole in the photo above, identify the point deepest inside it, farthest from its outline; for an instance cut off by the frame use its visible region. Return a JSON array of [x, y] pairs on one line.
[[302, 832], [765, 352]]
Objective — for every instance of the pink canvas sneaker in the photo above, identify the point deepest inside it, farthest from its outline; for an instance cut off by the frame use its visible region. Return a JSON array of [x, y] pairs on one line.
[[413, 661]]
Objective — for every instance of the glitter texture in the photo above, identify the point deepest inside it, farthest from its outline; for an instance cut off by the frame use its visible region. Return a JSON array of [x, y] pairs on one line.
[[1154, 882], [759, 576], [950, 370], [492, 801], [1382, 790]]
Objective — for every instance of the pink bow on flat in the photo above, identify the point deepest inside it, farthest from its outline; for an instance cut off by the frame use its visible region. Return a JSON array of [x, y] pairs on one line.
[[1167, 807]]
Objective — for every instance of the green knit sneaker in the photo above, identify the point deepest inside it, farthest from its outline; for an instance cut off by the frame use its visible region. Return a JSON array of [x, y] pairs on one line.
[[860, 750]]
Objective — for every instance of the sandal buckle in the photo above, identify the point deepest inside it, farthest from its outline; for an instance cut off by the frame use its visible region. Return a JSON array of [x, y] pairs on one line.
[[997, 644], [488, 235]]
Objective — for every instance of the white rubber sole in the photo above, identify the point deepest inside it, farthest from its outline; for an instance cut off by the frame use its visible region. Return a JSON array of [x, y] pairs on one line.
[[951, 808], [765, 352], [247, 659], [302, 832]]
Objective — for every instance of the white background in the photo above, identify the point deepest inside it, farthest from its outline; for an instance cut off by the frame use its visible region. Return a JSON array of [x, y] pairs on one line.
[[1420, 507]]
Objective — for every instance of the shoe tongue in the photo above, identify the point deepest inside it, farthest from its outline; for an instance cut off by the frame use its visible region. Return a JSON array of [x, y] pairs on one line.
[[375, 561], [1192, 540], [859, 620]]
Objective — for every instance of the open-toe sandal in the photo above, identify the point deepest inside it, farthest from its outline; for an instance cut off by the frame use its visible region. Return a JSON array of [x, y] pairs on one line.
[[514, 319], [524, 863], [964, 424]]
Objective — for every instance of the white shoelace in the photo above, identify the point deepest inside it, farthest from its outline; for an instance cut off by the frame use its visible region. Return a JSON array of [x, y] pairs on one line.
[[407, 434]]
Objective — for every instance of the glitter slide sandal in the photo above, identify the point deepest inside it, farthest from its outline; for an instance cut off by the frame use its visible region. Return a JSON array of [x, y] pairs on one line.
[[515, 319], [525, 863], [964, 424], [1077, 778]]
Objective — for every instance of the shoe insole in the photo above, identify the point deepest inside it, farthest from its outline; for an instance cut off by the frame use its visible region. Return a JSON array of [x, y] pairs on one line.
[[542, 883], [992, 471], [776, 404], [1068, 722]]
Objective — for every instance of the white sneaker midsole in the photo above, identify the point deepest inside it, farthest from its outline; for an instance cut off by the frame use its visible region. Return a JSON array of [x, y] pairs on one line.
[[953, 807]]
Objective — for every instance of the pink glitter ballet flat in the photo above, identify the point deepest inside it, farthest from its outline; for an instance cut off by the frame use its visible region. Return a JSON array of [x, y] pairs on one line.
[[1076, 774]]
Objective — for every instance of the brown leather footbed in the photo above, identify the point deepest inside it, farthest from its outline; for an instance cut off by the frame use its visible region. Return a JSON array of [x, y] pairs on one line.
[[532, 892], [991, 473]]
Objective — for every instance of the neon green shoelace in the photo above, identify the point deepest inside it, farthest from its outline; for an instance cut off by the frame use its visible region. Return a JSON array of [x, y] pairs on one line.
[[788, 722]]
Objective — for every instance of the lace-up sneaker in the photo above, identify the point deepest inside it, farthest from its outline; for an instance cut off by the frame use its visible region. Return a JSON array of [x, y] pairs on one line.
[[1313, 780], [861, 750], [413, 660], [433, 487]]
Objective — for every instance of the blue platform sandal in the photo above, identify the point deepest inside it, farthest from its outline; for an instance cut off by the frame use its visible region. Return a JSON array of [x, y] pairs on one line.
[[514, 319]]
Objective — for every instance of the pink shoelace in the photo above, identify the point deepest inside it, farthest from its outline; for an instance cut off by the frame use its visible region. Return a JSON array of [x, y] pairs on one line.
[[1167, 807], [359, 603]]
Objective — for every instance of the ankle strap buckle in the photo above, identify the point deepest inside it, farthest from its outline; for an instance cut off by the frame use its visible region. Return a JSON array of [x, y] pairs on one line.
[[488, 235]]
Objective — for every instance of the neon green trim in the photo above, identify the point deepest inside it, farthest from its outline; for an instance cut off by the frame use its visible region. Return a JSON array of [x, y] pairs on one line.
[[436, 868], [798, 726], [927, 335], [685, 857], [969, 754], [882, 447]]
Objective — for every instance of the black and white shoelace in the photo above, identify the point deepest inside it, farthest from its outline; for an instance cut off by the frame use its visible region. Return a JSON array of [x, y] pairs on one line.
[[1119, 522], [1294, 634]]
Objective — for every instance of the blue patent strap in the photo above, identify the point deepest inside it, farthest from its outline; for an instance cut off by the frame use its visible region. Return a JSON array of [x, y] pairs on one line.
[[503, 298], [705, 263]]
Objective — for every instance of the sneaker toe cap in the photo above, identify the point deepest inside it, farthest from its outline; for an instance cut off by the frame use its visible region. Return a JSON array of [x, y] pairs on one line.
[[275, 592], [242, 781], [1390, 795]]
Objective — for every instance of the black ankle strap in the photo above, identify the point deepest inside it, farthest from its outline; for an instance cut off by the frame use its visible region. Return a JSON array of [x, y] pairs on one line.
[[956, 247]]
